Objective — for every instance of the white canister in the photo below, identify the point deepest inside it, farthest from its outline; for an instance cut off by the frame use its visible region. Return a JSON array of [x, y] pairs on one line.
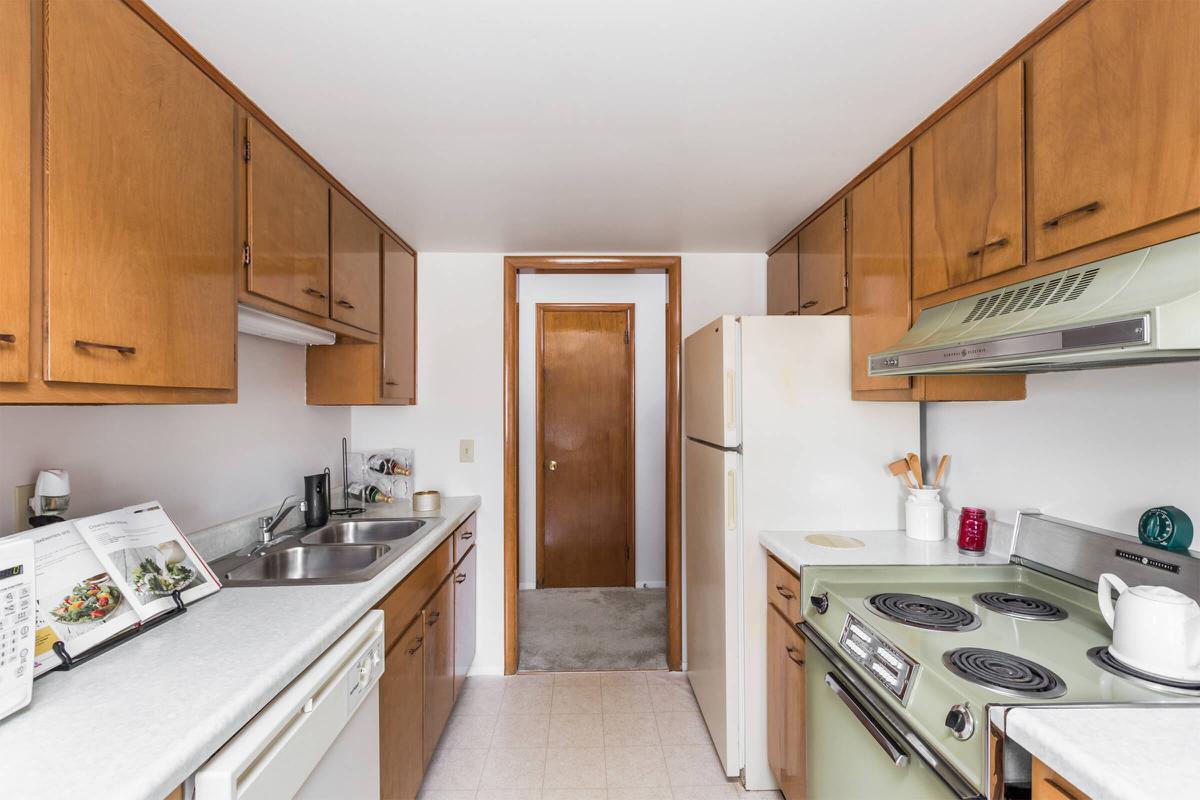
[[426, 502], [924, 515]]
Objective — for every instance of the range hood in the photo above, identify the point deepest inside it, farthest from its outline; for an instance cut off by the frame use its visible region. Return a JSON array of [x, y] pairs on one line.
[[1135, 308]]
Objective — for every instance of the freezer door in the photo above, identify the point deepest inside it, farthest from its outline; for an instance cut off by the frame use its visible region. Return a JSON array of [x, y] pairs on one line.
[[711, 391], [714, 594]]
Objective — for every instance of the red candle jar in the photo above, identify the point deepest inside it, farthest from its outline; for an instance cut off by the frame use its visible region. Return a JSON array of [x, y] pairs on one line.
[[972, 531]]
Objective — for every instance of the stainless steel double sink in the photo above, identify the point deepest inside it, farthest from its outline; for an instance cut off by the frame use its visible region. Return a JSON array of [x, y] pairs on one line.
[[340, 552]]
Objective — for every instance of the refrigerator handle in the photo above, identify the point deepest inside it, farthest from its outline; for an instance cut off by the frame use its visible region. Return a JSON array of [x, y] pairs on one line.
[[730, 400], [731, 500]]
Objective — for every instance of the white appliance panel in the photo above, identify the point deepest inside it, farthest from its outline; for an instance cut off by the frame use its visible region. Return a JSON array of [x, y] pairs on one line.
[[711, 408], [713, 577]]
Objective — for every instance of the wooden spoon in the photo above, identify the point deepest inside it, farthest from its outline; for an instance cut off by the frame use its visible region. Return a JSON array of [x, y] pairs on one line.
[[900, 469], [914, 464], [941, 471]]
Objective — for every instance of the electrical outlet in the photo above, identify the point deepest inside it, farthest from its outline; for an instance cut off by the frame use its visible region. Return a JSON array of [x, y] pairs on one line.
[[466, 450], [21, 513]]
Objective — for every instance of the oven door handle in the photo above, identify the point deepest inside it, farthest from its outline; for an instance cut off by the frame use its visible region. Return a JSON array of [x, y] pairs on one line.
[[898, 756]]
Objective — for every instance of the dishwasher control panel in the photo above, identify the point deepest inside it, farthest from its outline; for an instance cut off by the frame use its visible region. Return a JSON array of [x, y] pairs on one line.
[[887, 664]]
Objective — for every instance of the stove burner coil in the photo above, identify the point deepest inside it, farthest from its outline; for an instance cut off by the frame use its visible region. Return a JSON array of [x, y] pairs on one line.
[[923, 612], [1020, 606], [1004, 673], [1107, 662]]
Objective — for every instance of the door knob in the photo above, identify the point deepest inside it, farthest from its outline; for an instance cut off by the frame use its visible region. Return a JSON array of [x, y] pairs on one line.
[[552, 465]]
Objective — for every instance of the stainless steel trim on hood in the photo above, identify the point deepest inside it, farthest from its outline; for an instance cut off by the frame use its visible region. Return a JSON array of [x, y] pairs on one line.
[[863, 693]]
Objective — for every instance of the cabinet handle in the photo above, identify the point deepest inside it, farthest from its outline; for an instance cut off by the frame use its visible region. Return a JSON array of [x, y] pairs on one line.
[[467, 535], [8, 338], [120, 348], [433, 618], [787, 595], [390, 383], [791, 653], [344, 303], [1090, 208], [314, 292], [460, 577], [790, 313], [978, 251], [807, 304], [420, 640]]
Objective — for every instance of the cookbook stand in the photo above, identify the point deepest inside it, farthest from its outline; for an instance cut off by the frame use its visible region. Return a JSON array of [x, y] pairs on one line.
[[70, 662]]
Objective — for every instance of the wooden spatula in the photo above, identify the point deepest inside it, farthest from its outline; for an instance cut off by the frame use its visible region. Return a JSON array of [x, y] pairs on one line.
[[914, 464], [900, 469], [943, 462]]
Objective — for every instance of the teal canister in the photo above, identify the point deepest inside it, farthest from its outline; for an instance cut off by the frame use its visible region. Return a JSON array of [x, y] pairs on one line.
[[1167, 527]]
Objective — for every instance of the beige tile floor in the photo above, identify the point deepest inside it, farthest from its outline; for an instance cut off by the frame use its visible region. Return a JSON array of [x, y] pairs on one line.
[[578, 736]]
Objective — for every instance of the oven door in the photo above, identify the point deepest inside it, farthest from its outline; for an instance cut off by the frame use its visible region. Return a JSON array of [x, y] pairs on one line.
[[853, 752]]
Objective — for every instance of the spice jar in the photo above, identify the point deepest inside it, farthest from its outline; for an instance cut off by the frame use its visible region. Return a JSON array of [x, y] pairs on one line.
[[972, 531]]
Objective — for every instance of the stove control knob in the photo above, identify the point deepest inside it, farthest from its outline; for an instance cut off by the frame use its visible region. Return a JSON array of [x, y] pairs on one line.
[[820, 602], [960, 722]]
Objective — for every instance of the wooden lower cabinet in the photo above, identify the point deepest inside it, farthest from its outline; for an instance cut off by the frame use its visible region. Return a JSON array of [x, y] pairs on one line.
[[1049, 785], [785, 705], [402, 716], [464, 618], [439, 665]]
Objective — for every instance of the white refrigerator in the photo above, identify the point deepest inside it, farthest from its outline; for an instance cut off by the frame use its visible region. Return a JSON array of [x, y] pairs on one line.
[[774, 442]]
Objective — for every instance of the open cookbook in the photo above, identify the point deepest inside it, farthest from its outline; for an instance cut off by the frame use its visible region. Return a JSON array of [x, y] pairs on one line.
[[99, 576]]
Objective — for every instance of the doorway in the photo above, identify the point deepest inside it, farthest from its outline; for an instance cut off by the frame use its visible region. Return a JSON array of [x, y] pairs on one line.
[[586, 485]]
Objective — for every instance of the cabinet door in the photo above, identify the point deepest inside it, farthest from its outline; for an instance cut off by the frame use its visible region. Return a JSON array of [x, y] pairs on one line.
[[439, 664], [785, 705], [464, 619], [140, 184], [15, 61], [879, 269], [287, 225], [402, 716], [821, 247], [1114, 121], [354, 274], [783, 286], [968, 195], [399, 340]]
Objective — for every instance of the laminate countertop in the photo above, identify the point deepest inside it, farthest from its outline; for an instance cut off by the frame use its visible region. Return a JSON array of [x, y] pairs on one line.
[[138, 720], [799, 549]]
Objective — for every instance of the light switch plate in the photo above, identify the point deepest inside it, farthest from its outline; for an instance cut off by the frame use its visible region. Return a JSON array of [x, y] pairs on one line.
[[466, 450], [20, 510]]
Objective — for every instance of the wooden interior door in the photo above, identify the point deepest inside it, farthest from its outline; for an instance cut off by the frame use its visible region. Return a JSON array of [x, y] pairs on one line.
[[399, 339], [585, 396]]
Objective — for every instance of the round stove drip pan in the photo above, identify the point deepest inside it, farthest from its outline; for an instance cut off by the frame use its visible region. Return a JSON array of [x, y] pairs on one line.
[[922, 612], [1107, 662], [1020, 606], [1003, 672]]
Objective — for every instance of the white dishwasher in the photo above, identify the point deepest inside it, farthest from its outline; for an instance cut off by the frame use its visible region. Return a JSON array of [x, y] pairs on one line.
[[318, 739]]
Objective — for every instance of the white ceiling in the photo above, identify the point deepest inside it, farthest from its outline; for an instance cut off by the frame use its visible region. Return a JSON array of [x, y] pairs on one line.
[[599, 125]]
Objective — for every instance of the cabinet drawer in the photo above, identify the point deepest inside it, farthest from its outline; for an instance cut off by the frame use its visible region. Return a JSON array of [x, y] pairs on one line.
[[406, 600], [464, 538], [783, 590]]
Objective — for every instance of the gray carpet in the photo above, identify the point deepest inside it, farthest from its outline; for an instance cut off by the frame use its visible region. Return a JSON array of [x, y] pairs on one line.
[[579, 630]]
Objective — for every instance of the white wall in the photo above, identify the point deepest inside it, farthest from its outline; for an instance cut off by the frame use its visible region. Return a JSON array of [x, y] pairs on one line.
[[460, 391], [648, 293], [1098, 447], [206, 464]]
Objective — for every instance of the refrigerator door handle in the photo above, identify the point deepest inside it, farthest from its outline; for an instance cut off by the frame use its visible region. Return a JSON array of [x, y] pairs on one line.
[[730, 400], [731, 500]]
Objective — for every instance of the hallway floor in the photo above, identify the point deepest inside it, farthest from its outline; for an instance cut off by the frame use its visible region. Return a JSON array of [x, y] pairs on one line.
[[578, 736], [609, 628]]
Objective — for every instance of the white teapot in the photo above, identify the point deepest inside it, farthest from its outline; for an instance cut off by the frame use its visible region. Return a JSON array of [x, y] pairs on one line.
[[1155, 629]]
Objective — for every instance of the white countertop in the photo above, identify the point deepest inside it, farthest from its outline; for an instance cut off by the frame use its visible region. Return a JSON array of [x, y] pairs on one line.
[[161, 704], [1115, 753], [878, 548]]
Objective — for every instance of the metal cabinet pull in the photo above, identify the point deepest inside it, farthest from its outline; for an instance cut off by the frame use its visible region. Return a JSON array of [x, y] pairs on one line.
[[978, 251], [120, 348], [807, 304], [8, 338], [344, 303], [785, 593], [434, 617], [898, 756], [390, 383], [790, 313], [420, 640], [460, 577], [314, 292], [1090, 208], [791, 652]]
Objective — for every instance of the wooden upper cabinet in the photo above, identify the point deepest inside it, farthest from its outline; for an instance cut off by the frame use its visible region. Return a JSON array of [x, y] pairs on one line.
[[1114, 121], [354, 278], [783, 284], [968, 194], [821, 251], [399, 340], [15, 77], [879, 269], [140, 189], [287, 225]]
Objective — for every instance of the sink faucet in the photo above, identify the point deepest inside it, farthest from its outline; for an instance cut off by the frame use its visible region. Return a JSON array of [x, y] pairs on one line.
[[267, 525]]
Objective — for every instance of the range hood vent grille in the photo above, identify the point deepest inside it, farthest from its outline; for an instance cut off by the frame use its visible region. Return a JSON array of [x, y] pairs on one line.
[[1063, 289]]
